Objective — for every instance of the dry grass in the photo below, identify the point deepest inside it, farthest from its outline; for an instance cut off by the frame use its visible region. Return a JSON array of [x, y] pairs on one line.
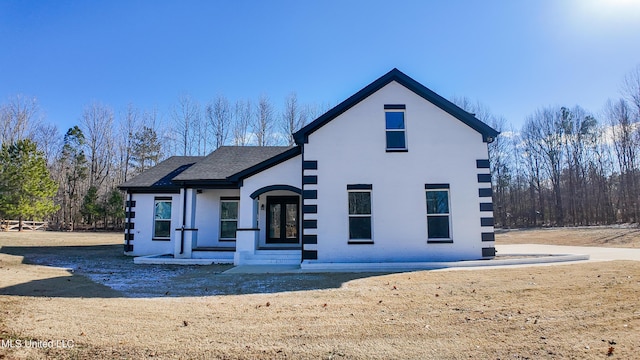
[[626, 236], [565, 311]]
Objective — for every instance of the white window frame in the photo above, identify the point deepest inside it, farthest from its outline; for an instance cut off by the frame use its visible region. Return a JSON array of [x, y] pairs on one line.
[[448, 214], [369, 215], [155, 220], [403, 130], [222, 201]]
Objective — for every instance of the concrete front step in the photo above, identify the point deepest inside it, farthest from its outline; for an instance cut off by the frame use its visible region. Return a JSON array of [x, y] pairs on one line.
[[273, 257], [170, 260], [218, 255]]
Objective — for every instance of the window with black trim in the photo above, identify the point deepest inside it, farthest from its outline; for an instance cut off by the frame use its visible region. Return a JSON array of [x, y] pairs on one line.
[[228, 219], [396, 136], [360, 215], [438, 213], [162, 219]]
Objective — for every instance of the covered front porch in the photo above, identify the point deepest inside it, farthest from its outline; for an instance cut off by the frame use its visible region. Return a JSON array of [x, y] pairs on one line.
[[270, 226], [241, 227]]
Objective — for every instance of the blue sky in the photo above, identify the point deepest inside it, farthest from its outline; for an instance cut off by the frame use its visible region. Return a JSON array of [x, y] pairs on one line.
[[513, 56]]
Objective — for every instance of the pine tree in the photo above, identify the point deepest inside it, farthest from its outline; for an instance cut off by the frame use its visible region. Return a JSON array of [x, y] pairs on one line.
[[114, 207], [75, 168], [26, 187], [91, 209], [146, 148]]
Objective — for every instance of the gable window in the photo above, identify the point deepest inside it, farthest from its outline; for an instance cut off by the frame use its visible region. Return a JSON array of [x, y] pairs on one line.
[[228, 219], [162, 218], [396, 136], [438, 212], [359, 213]]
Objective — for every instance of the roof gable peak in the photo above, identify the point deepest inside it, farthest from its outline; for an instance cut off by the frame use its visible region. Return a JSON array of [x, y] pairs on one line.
[[488, 133]]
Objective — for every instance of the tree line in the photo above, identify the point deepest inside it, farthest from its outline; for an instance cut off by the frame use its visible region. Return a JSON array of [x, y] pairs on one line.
[[87, 162], [567, 166], [564, 166]]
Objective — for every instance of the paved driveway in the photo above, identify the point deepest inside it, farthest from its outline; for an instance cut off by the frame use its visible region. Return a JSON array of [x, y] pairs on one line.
[[595, 253]]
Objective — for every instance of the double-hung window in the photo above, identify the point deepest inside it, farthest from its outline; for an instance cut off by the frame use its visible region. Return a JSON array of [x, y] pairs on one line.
[[228, 219], [438, 212], [396, 134], [359, 213], [162, 219]]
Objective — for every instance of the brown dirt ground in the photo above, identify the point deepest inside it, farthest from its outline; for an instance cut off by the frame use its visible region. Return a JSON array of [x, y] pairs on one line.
[[579, 311]]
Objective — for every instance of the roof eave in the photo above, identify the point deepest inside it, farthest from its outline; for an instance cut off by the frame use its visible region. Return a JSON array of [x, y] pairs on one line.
[[151, 189], [207, 183]]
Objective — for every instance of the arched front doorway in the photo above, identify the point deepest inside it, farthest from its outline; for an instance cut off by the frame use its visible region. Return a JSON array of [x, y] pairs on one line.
[[279, 216]]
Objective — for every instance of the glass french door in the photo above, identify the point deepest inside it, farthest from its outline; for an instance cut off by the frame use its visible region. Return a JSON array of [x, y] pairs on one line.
[[282, 220]]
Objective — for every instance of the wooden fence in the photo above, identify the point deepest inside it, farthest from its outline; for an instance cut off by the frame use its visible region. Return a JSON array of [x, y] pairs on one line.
[[13, 225]]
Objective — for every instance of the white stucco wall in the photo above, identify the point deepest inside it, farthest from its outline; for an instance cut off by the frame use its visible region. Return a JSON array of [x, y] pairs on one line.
[[351, 150], [143, 228], [208, 216]]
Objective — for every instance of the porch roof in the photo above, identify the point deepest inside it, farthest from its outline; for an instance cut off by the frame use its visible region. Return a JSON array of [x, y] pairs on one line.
[[223, 168]]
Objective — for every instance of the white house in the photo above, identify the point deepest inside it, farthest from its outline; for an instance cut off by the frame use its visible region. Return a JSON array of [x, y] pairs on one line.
[[393, 174]]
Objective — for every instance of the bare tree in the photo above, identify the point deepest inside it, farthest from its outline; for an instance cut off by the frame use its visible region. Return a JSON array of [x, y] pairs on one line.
[[499, 155], [600, 176], [625, 144], [314, 111], [579, 138], [128, 126], [186, 116], [520, 202], [499, 162], [200, 136], [263, 122], [544, 133], [631, 88], [97, 123], [18, 118], [242, 119], [293, 118], [49, 141], [218, 113]]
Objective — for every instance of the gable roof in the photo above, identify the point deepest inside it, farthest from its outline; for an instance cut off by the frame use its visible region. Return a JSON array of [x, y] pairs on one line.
[[159, 177], [488, 133], [228, 164]]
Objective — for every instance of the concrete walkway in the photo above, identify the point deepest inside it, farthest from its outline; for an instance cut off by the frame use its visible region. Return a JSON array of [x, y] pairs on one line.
[[595, 253], [519, 256]]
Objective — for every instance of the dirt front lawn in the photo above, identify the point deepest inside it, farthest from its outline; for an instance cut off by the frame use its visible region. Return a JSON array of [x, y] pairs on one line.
[[106, 307]]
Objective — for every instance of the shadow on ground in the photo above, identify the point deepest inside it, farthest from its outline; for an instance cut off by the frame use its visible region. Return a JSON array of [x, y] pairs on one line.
[[72, 286], [103, 271]]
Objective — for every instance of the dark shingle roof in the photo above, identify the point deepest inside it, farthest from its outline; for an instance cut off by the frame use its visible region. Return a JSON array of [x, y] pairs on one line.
[[229, 160], [160, 175], [222, 168]]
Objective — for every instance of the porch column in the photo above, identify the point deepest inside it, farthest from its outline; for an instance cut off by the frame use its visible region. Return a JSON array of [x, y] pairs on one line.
[[186, 233], [248, 230]]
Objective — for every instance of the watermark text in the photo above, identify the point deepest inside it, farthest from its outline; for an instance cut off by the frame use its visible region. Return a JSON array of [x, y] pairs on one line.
[[36, 344]]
